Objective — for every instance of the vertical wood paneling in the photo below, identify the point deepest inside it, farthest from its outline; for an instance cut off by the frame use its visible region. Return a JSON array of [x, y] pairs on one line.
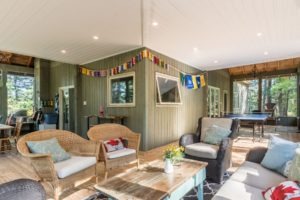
[[94, 92], [168, 123], [220, 79]]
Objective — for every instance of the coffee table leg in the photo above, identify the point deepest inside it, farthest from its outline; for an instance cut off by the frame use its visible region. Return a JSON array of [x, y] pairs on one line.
[[200, 191]]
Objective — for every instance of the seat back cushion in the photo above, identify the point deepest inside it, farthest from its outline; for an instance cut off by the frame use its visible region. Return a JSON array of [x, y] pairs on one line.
[[208, 122], [215, 134], [50, 146]]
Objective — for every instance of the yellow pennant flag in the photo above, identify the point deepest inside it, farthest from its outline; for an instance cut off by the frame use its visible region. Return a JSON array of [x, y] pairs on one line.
[[202, 80], [84, 70], [195, 82]]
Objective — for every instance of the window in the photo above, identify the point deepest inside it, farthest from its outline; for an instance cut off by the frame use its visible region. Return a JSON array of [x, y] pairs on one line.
[[121, 90], [213, 101], [168, 91], [279, 95], [19, 93], [245, 96]]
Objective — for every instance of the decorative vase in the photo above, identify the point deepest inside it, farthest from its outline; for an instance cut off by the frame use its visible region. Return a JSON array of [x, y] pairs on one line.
[[168, 166]]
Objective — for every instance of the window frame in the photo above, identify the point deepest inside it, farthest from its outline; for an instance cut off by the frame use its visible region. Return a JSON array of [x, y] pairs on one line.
[[160, 103], [109, 95]]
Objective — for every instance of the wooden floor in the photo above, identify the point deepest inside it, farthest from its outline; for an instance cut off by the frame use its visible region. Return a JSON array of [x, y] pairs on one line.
[[14, 166]]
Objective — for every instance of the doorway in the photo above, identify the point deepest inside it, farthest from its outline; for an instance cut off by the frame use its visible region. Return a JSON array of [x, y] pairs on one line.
[[225, 102], [66, 108]]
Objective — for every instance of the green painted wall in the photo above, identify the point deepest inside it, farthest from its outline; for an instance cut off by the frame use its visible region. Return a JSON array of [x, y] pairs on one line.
[[165, 124], [93, 90], [221, 79]]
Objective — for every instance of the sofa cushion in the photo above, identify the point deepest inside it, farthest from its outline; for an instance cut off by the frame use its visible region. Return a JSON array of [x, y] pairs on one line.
[[235, 190], [120, 153], [279, 152], [73, 165], [202, 150], [208, 122], [255, 175], [51, 147], [215, 134]]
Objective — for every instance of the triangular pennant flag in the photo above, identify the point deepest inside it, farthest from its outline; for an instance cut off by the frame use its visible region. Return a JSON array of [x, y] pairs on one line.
[[189, 82], [182, 78], [198, 81], [202, 80], [194, 82], [84, 71]]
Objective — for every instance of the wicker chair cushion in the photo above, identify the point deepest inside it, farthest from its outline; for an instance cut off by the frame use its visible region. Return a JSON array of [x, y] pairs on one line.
[[73, 165], [120, 153], [215, 134], [113, 145], [50, 146]]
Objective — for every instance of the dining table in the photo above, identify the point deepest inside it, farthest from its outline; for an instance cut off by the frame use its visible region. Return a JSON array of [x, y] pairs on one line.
[[5, 133]]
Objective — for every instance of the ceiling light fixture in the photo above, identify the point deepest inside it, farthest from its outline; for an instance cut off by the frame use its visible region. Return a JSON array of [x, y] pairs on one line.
[[216, 61], [154, 23], [95, 37], [195, 49], [63, 51], [266, 53], [258, 34]]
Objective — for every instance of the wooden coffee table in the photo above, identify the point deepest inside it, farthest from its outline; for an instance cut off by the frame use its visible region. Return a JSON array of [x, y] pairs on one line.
[[151, 183]]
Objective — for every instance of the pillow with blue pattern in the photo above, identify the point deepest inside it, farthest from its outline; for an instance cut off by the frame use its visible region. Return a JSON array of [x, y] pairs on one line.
[[215, 134], [50, 146]]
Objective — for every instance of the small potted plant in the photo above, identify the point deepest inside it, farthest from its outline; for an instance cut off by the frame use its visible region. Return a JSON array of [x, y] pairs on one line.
[[172, 155]]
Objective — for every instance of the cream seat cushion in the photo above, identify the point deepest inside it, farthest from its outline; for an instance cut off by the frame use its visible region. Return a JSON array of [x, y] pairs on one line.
[[202, 150], [73, 165], [120, 153], [235, 190], [208, 122], [255, 175]]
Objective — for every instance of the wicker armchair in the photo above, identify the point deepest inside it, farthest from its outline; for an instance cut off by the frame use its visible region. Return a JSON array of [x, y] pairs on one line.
[[43, 163], [111, 131]]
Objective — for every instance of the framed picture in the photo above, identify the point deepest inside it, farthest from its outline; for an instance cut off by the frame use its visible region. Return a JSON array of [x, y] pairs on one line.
[[168, 90], [121, 90]]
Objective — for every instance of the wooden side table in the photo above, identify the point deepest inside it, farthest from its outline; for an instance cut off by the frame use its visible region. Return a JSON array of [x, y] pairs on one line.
[[103, 119]]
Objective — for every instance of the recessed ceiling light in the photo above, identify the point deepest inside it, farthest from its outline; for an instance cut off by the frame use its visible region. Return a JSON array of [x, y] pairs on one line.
[[63, 51], [154, 23], [259, 34], [95, 37], [266, 53], [216, 61], [195, 49]]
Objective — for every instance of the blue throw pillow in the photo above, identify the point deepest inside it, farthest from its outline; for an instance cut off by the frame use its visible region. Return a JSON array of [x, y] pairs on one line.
[[215, 134], [279, 152], [50, 146]]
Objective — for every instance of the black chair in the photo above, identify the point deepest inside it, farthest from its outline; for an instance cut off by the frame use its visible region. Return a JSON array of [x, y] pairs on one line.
[[217, 157], [22, 189]]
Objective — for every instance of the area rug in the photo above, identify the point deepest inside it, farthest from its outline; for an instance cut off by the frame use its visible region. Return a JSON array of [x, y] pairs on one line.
[[209, 188]]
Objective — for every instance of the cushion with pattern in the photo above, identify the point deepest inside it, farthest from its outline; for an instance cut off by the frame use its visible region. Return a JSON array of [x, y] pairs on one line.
[[114, 144], [287, 190]]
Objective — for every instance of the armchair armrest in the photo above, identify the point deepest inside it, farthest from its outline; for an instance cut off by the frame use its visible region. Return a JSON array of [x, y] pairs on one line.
[[133, 141], [188, 138], [86, 148], [43, 166], [224, 149], [256, 154]]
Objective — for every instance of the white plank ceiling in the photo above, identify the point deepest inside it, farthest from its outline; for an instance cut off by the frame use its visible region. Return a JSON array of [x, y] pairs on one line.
[[207, 34]]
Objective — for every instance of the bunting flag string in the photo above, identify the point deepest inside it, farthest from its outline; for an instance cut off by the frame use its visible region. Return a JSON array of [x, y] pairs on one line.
[[187, 80]]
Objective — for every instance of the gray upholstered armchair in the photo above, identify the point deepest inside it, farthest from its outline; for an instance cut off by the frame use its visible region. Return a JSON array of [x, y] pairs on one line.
[[218, 157], [22, 189]]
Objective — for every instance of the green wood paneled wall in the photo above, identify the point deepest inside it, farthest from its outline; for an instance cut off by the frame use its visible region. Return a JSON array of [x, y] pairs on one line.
[[165, 124], [93, 90]]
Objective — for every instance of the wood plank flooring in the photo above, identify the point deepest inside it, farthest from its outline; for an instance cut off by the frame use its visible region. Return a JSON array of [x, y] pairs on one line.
[[14, 166]]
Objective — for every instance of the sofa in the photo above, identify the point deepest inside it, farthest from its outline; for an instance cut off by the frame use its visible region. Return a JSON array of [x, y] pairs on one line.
[[218, 157], [250, 179]]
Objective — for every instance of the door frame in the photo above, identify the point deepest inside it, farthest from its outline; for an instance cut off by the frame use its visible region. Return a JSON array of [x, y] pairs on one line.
[[60, 105]]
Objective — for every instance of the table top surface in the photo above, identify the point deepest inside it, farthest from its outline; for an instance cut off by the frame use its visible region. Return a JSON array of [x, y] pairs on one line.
[[260, 117], [6, 127], [150, 181]]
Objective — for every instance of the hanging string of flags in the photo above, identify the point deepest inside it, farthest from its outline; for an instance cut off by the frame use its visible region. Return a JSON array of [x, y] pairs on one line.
[[187, 80]]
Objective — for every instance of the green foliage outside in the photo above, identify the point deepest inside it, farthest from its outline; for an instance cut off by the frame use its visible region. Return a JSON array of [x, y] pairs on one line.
[[19, 93], [122, 90]]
